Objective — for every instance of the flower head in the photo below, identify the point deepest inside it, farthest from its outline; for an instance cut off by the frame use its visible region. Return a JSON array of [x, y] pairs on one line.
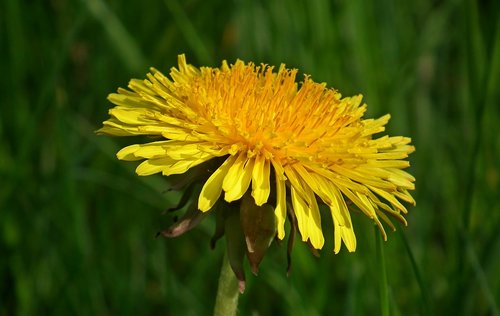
[[289, 145]]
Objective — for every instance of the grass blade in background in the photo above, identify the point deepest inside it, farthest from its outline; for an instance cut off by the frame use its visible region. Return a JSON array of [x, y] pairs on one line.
[[425, 304], [125, 45]]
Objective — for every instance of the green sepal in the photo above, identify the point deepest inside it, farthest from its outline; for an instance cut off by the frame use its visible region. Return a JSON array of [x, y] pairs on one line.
[[219, 223], [187, 196], [235, 243], [190, 219], [259, 228]]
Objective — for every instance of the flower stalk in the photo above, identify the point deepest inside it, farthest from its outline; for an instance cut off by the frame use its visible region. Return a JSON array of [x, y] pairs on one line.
[[226, 302], [384, 291]]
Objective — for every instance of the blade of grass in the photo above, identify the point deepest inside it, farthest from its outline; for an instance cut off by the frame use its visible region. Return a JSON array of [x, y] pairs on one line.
[[494, 68], [122, 41], [425, 304], [478, 98], [481, 277], [190, 33], [476, 64]]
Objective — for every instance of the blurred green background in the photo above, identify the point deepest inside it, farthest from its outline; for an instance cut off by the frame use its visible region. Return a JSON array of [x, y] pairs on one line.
[[77, 226]]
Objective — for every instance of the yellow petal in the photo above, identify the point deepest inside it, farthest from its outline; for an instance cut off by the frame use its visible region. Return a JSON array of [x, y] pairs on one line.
[[140, 151], [401, 181], [169, 166], [182, 150], [405, 196], [302, 181], [178, 133], [142, 87], [280, 210], [337, 178], [340, 213], [316, 182], [389, 197], [337, 235], [314, 223], [127, 153], [306, 209], [235, 170], [152, 166], [127, 99], [363, 177], [295, 181], [181, 166], [369, 211], [260, 180], [367, 204], [115, 128], [399, 164], [301, 211], [238, 178], [112, 131], [151, 151], [212, 188], [342, 222], [129, 116], [151, 129]]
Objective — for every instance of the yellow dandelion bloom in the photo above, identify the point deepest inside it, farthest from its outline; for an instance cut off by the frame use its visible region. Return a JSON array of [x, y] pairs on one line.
[[295, 144]]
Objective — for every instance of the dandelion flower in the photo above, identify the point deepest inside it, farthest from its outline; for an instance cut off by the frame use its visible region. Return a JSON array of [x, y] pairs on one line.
[[281, 147]]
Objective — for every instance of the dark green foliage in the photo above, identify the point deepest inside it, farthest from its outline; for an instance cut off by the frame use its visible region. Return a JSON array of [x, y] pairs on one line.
[[77, 226]]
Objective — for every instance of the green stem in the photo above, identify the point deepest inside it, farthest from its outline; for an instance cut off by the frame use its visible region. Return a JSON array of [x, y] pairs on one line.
[[226, 302], [384, 293]]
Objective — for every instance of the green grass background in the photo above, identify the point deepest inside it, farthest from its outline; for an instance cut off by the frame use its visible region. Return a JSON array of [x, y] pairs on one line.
[[77, 226]]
